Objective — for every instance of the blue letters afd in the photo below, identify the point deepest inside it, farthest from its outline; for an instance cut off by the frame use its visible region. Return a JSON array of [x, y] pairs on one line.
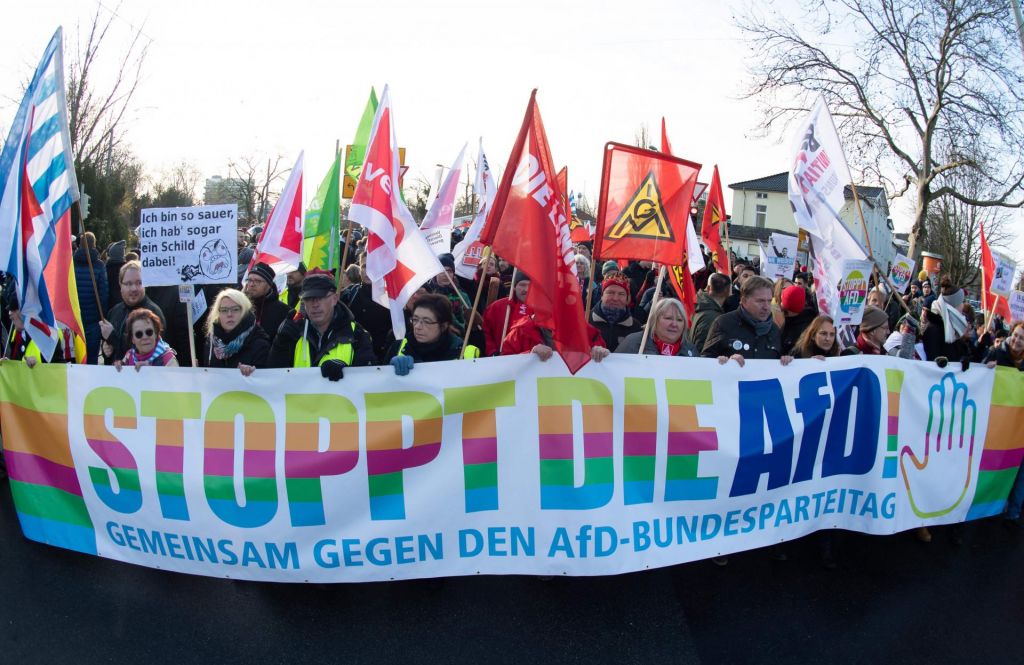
[[763, 402]]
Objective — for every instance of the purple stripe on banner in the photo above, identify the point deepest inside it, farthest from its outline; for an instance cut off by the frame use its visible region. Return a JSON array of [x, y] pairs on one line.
[[170, 459], [691, 443], [637, 444], [221, 462], [28, 468], [113, 453], [997, 460], [389, 461], [559, 446], [483, 450], [314, 464], [894, 425], [556, 446]]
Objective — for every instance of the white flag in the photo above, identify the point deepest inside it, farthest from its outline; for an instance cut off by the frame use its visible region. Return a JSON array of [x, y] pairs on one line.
[[398, 258], [437, 225], [467, 252], [280, 244], [817, 183]]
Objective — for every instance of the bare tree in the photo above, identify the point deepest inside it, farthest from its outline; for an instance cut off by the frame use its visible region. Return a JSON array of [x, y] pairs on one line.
[[642, 137], [96, 114], [253, 183], [184, 177], [933, 88]]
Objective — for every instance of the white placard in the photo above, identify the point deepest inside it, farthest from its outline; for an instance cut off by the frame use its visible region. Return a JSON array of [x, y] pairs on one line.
[[852, 292], [195, 245], [1017, 305], [1002, 276], [902, 272], [779, 257], [198, 305]]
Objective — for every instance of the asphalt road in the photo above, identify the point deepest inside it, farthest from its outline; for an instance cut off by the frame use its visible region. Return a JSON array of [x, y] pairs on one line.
[[892, 600]]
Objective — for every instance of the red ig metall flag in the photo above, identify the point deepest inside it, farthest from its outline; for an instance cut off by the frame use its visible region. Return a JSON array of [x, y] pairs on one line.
[[529, 227], [711, 226]]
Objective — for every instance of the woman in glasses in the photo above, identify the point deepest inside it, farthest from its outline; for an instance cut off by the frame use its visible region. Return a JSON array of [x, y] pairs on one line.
[[233, 339], [429, 337], [146, 347]]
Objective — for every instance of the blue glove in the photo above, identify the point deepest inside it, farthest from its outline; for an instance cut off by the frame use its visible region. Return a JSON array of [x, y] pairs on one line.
[[332, 370], [402, 364]]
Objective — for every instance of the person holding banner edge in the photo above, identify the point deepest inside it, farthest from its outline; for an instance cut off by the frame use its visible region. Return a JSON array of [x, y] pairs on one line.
[[429, 337]]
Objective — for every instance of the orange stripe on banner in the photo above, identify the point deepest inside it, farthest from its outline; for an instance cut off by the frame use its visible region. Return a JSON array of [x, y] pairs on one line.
[[1005, 428], [684, 419], [96, 428], [641, 418], [388, 435], [258, 436], [479, 425], [304, 437], [558, 419], [894, 404], [36, 433]]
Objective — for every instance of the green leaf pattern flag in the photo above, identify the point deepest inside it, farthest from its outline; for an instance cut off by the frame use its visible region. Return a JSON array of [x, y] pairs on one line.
[[321, 238]]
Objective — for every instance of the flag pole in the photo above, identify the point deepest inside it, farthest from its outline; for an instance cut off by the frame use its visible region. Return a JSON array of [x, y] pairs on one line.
[[590, 288], [88, 258], [508, 310], [654, 301], [728, 248], [476, 301]]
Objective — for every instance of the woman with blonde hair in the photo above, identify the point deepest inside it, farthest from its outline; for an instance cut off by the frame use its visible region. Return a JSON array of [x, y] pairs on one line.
[[232, 337], [667, 337]]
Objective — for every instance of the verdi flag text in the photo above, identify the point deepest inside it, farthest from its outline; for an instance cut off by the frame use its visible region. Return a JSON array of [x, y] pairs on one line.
[[528, 227], [398, 258]]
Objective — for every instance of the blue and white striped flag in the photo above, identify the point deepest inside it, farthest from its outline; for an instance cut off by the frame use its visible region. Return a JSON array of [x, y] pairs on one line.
[[37, 177]]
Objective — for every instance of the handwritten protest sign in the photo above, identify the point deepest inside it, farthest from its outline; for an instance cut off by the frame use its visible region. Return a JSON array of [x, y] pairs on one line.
[[189, 245]]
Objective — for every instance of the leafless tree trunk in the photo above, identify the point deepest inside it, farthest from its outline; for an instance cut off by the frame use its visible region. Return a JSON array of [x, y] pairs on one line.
[[932, 88], [254, 185]]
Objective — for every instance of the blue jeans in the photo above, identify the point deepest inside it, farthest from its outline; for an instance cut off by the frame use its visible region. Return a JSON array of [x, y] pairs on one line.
[[1016, 500]]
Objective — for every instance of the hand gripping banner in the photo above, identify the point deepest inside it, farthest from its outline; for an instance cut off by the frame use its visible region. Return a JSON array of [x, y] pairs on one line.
[[497, 466]]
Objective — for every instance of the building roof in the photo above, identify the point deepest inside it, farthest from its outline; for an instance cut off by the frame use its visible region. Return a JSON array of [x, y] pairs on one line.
[[773, 183], [779, 182]]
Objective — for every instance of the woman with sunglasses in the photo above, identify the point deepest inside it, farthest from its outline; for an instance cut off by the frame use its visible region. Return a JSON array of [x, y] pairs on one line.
[[429, 337], [233, 339], [147, 348]]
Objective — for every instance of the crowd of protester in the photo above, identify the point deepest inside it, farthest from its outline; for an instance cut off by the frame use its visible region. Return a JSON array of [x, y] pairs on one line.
[[318, 319]]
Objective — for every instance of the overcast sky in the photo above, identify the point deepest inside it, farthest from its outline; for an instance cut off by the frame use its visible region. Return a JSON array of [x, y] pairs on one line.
[[227, 79]]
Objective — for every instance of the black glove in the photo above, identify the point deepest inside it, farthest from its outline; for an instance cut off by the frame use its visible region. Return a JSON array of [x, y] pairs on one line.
[[965, 364], [941, 361], [332, 370]]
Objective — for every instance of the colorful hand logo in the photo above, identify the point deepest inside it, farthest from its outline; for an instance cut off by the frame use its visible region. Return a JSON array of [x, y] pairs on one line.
[[948, 450]]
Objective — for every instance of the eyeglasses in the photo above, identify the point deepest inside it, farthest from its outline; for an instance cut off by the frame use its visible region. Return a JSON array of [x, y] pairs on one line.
[[417, 321], [228, 311], [148, 332]]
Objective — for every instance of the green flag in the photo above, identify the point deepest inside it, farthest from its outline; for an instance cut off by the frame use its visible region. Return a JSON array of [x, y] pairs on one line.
[[356, 156], [321, 243]]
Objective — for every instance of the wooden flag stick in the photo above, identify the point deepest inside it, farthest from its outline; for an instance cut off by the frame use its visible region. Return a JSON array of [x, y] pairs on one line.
[[590, 288], [654, 301], [508, 310]]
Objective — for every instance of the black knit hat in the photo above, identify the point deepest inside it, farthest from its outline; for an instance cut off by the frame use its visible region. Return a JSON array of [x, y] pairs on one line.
[[264, 272]]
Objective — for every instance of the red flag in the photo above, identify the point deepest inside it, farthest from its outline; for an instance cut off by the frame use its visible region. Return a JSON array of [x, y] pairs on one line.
[[280, 243], [679, 275], [528, 227], [644, 205], [990, 300], [711, 226]]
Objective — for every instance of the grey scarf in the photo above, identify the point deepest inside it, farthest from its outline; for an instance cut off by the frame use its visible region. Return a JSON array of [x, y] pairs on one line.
[[762, 328]]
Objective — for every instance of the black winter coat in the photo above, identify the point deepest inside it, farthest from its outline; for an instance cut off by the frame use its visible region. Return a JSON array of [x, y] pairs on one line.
[[86, 294], [282, 351], [731, 334], [255, 350]]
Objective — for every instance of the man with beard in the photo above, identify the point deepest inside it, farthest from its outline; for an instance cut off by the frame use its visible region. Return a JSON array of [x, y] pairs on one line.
[[269, 311], [133, 296]]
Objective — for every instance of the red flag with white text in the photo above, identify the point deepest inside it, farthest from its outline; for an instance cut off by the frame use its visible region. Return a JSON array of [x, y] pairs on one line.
[[398, 258], [528, 227]]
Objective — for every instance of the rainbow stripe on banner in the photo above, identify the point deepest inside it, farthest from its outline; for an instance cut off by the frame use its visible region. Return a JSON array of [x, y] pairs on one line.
[[894, 386], [1004, 445], [686, 440], [555, 398], [45, 487], [480, 439]]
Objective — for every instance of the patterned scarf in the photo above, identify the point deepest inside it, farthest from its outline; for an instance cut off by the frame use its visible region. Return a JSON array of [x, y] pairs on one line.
[[222, 349], [154, 357]]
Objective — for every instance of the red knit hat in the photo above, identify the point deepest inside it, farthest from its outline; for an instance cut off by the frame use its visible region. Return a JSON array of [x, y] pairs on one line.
[[616, 279], [794, 298]]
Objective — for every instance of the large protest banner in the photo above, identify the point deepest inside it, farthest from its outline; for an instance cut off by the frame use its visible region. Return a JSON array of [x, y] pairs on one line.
[[503, 465]]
